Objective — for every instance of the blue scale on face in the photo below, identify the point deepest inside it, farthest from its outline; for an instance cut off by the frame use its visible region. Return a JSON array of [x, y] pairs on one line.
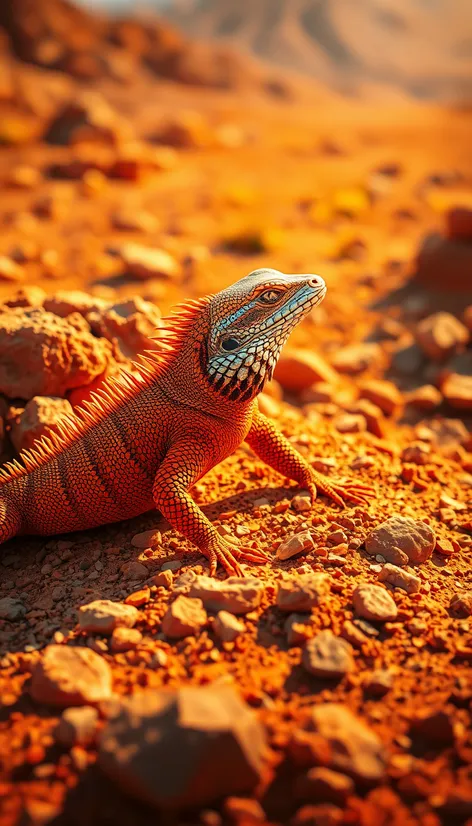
[[228, 322], [247, 343]]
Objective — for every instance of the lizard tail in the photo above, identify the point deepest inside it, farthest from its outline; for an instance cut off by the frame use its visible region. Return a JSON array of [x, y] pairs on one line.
[[10, 519]]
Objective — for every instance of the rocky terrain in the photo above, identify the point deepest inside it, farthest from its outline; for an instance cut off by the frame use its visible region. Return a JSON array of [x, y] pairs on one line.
[[410, 45], [332, 686]]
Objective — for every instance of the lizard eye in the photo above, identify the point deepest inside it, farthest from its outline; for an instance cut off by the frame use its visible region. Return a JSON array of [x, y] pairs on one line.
[[269, 296], [229, 344]]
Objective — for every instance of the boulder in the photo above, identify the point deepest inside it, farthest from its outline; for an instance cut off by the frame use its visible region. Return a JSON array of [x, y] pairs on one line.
[[102, 616], [302, 593], [189, 747], [77, 726], [297, 369], [55, 354], [328, 656], [36, 419], [374, 603], [184, 617], [71, 676], [402, 539], [238, 595], [441, 335], [355, 749]]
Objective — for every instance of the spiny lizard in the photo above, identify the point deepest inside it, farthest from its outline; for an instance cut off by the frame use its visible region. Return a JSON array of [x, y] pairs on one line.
[[149, 435]]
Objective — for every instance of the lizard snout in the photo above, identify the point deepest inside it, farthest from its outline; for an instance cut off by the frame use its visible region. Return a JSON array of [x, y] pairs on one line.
[[317, 282]]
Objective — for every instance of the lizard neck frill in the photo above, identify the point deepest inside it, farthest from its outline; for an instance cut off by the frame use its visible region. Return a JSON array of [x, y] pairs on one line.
[[243, 381], [187, 380]]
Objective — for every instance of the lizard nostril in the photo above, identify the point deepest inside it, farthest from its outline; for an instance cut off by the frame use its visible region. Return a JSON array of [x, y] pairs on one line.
[[316, 281]]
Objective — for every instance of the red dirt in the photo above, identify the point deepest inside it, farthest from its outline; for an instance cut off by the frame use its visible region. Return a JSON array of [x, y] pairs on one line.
[[304, 182]]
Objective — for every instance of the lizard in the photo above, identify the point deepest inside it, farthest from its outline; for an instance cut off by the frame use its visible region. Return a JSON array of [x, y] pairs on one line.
[[147, 436]]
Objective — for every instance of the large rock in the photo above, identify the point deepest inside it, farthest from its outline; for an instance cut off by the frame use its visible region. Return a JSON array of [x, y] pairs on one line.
[[10, 270], [144, 262], [355, 358], [298, 369], [402, 539], [66, 302], [328, 656], [425, 397], [129, 219], [374, 603], [444, 264], [39, 416], [384, 394], [102, 616], [355, 749], [298, 543], [43, 355], [71, 676], [185, 130], [130, 323], [457, 391], [88, 118], [435, 727], [184, 748], [302, 593], [11, 609], [125, 639], [227, 627], [324, 784], [461, 604], [238, 595], [374, 418], [77, 726], [440, 335], [400, 578], [184, 616]]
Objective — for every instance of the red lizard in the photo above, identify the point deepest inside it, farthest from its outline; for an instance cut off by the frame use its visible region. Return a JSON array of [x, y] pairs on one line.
[[147, 437]]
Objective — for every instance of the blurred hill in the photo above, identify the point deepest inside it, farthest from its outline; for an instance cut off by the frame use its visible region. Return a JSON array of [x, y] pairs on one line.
[[423, 47], [87, 45]]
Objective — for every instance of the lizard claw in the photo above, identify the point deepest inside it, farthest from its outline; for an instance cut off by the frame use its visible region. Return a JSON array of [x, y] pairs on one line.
[[247, 554], [228, 554], [251, 555], [358, 494]]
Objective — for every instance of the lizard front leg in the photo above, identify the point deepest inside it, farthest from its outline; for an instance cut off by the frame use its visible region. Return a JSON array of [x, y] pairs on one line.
[[183, 465], [275, 450]]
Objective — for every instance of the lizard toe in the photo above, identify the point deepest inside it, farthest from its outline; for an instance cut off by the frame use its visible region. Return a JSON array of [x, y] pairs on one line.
[[335, 493], [251, 555], [245, 554], [226, 557], [352, 493]]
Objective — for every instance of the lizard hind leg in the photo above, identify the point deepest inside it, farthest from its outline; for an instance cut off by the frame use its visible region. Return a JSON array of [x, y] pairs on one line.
[[10, 519]]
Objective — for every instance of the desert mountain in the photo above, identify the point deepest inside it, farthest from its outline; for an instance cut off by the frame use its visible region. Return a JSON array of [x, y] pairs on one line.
[[421, 46]]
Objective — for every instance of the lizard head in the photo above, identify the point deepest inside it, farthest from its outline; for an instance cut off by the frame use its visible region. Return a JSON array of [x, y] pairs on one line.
[[249, 324]]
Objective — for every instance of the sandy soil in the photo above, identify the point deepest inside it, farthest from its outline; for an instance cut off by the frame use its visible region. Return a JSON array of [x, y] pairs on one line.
[[305, 182]]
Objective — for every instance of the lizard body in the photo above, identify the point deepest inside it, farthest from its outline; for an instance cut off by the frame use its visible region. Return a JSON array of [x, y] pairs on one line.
[[148, 436]]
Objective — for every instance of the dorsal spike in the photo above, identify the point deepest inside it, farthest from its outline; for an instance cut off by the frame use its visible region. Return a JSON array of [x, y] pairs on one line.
[[114, 392]]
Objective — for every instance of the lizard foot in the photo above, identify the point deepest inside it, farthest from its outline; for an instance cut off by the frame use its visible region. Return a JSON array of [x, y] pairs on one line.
[[229, 554], [341, 493], [248, 554]]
